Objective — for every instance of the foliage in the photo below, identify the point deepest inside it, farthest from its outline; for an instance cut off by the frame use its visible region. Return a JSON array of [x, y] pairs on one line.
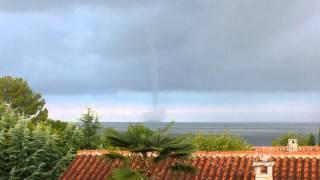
[[8, 117], [105, 143], [27, 153], [71, 137], [283, 139], [57, 126], [31, 145], [115, 155], [311, 140], [148, 147], [184, 168], [126, 173], [17, 93], [219, 142], [90, 127]]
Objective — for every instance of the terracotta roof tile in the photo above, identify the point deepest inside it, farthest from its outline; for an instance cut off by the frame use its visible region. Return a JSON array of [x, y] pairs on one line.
[[303, 164]]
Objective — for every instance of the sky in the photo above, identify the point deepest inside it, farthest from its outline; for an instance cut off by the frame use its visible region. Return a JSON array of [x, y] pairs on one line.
[[222, 60]]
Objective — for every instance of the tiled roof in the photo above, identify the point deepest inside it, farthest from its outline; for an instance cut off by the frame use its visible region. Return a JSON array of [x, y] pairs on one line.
[[303, 151], [284, 149], [210, 165]]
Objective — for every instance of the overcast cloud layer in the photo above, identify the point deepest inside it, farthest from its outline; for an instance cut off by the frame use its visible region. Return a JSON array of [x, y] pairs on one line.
[[68, 47]]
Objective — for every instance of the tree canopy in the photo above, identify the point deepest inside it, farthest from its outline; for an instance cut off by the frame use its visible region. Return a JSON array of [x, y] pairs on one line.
[[17, 93]]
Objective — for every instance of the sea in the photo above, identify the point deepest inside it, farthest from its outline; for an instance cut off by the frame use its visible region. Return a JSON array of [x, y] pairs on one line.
[[256, 133]]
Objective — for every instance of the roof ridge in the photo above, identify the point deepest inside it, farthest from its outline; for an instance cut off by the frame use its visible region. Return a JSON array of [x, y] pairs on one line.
[[254, 153]]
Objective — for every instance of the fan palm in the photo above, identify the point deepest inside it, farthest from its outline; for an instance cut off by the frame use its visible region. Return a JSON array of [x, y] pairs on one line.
[[149, 147]]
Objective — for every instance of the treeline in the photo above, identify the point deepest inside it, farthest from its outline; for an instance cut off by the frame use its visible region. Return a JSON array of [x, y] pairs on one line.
[[43, 150], [303, 139], [32, 146]]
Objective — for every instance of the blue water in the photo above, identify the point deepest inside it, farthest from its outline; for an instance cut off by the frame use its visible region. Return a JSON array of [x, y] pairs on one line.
[[260, 134]]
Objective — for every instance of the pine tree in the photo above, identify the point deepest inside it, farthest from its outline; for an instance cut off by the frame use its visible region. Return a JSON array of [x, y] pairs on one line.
[[311, 140], [17, 93], [90, 128]]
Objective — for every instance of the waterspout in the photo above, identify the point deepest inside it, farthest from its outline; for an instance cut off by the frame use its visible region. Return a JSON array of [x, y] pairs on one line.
[[156, 113]]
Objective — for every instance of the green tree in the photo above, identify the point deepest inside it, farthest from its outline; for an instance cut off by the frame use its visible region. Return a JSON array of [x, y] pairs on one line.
[[90, 127], [26, 153], [17, 93], [142, 142], [219, 142], [71, 137], [311, 140], [57, 124], [283, 139]]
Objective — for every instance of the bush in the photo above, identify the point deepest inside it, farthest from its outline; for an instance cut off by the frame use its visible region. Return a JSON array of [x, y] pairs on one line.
[[303, 139], [8, 117], [31, 153], [219, 142]]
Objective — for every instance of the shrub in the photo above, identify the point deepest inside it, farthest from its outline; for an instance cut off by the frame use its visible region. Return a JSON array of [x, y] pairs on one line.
[[30, 153], [219, 142], [303, 140], [8, 117]]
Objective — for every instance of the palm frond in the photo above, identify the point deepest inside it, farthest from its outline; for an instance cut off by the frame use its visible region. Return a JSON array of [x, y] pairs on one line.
[[139, 133], [181, 138], [114, 156], [119, 141], [184, 168], [159, 140], [179, 155], [112, 132], [127, 173], [144, 150], [162, 156], [116, 138], [168, 126], [142, 141], [180, 148]]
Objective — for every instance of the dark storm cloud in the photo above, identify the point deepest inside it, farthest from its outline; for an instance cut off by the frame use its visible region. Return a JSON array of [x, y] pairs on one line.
[[97, 47], [44, 5]]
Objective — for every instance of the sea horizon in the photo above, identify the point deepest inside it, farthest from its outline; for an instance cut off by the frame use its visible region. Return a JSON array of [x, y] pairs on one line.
[[256, 133]]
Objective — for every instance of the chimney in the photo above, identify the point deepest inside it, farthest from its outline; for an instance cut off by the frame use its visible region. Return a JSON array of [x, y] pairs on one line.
[[263, 170], [292, 145]]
